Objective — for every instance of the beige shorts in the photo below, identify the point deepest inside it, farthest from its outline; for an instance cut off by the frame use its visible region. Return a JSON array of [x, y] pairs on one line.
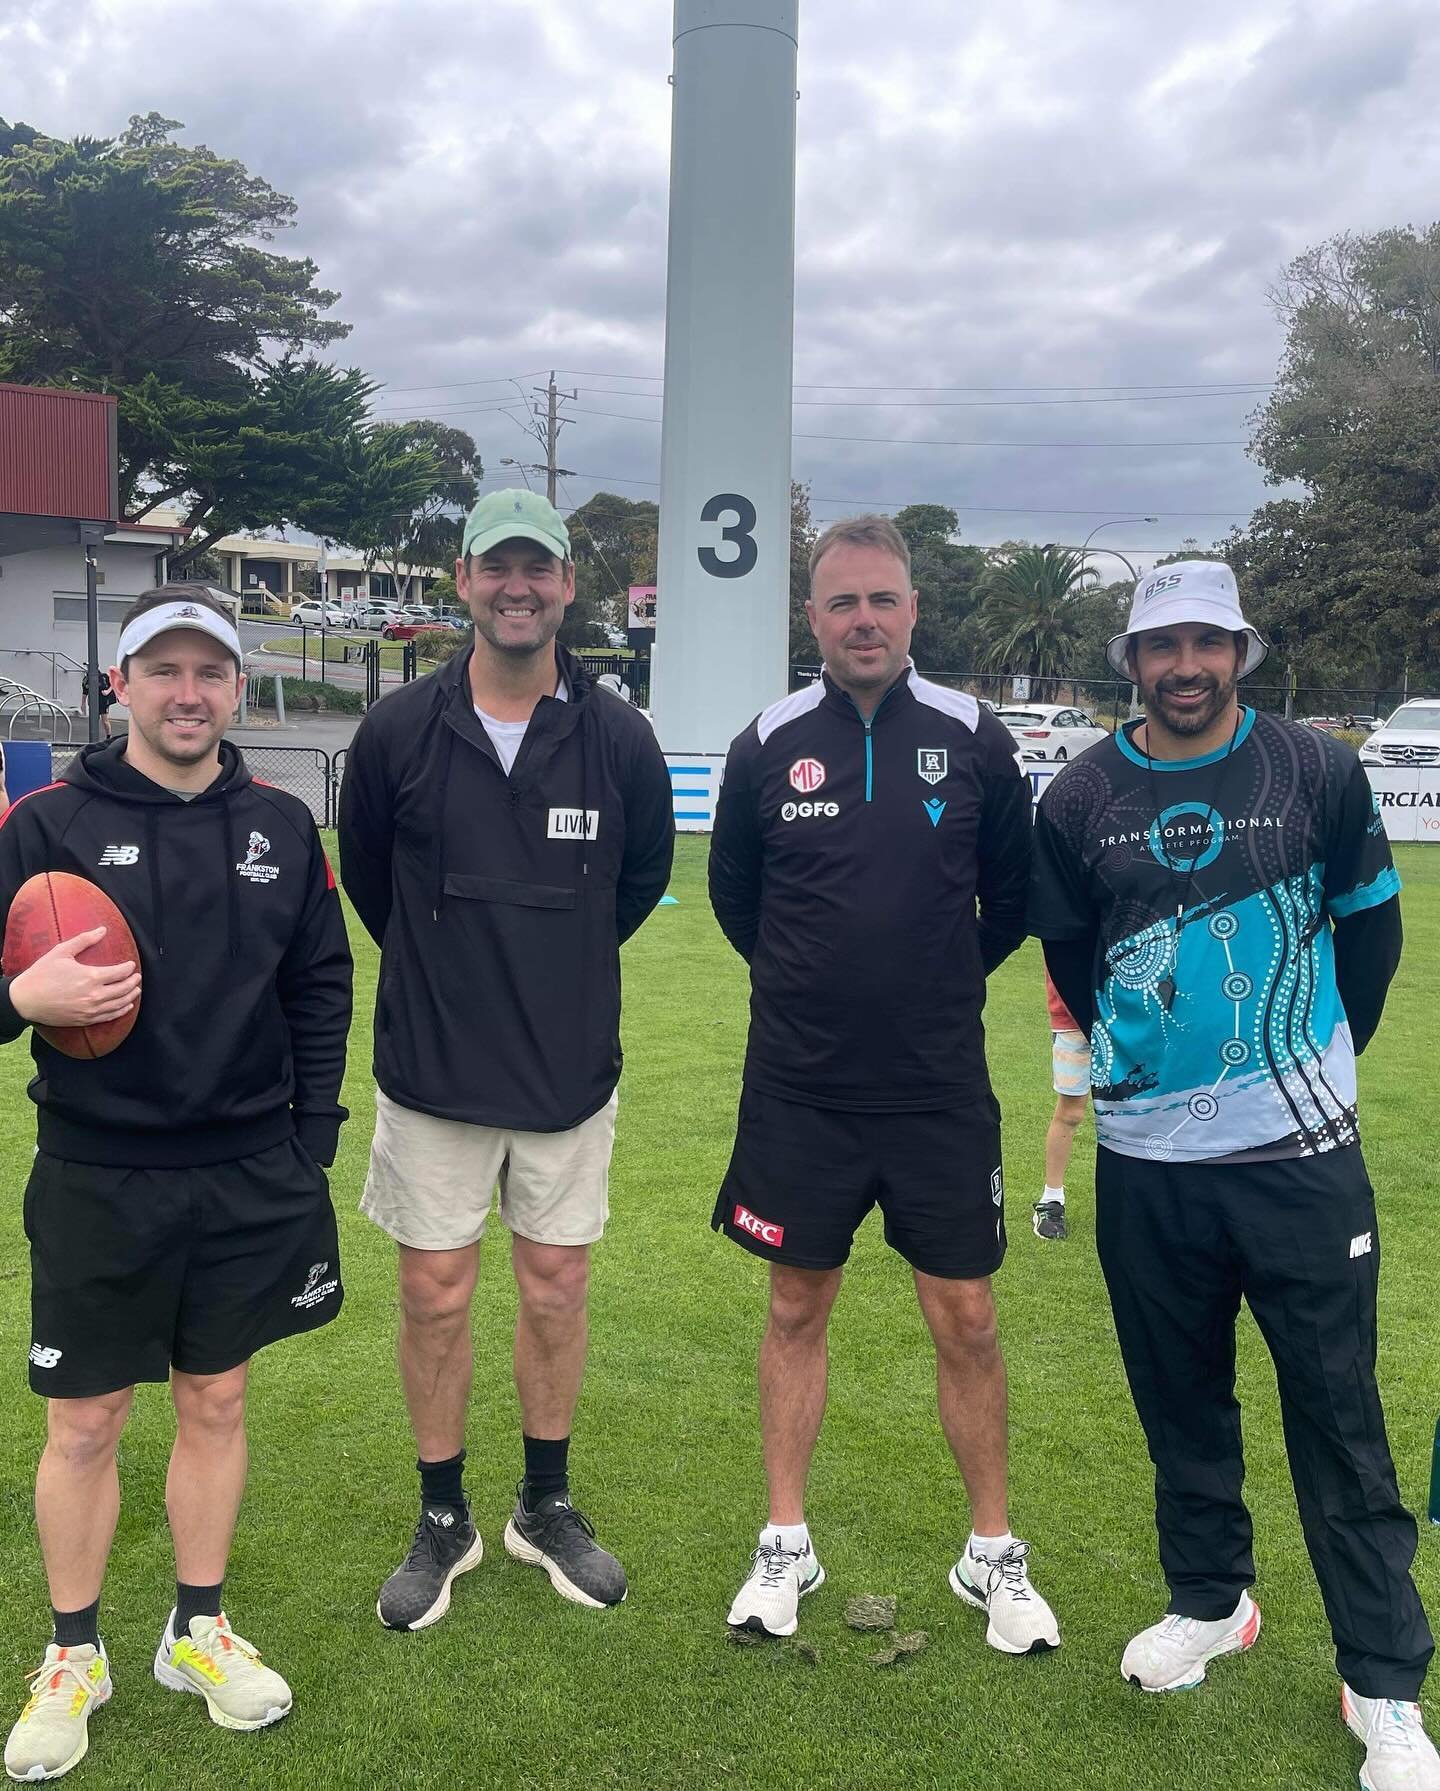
[[432, 1181], [1070, 1064]]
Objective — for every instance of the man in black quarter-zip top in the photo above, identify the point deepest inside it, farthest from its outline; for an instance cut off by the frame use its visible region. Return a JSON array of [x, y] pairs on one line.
[[870, 862], [504, 827]]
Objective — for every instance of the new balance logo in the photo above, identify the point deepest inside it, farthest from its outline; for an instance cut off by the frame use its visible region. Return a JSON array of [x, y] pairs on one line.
[[44, 1358], [745, 1220], [1360, 1246], [120, 855]]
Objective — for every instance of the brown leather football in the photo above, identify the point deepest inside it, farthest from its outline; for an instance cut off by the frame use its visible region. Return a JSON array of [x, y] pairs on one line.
[[54, 906]]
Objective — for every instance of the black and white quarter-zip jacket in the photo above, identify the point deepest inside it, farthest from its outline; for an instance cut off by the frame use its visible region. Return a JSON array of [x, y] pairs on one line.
[[500, 903], [245, 968], [847, 866]]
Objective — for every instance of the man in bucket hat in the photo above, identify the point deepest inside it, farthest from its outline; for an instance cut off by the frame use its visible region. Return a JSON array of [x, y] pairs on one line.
[[1218, 905]]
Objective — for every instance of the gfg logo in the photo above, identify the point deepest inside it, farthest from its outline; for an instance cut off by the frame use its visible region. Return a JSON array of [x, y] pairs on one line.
[[745, 1220], [805, 811]]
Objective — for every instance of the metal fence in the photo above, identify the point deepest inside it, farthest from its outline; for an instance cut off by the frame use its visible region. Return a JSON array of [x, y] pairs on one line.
[[305, 771], [1112, 700]]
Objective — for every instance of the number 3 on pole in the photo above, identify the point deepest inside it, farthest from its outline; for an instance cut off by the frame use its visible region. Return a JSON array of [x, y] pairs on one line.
[[740, 533]]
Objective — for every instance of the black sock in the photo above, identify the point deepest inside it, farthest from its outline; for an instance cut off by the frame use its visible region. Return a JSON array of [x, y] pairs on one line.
[[73, 1629], [195, 1601], [441, 1482], [545, 1469]]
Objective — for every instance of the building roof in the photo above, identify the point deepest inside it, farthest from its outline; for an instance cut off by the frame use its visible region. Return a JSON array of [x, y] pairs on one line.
[[59, 465]]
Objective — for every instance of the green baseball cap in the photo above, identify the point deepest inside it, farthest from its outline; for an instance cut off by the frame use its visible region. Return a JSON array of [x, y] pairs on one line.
[[508, 515]]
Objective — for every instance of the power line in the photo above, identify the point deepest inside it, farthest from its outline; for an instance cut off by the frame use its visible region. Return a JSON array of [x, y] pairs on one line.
[[963, 509], [816, 385], [969, 404]]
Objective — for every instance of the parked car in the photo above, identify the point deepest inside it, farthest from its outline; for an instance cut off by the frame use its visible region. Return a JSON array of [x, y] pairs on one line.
[[406, 631], [1322, 724], [1050, 731], [309, 615], [376, 615], [418, 612], [1410, 737]]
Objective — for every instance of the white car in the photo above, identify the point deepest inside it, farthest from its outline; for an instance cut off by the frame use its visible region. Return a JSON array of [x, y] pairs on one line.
[[1049, 731], [1410, 737], [313, 614], [376, 615]]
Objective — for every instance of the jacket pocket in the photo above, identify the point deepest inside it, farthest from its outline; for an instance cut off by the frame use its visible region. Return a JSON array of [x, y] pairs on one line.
[[501, 889]]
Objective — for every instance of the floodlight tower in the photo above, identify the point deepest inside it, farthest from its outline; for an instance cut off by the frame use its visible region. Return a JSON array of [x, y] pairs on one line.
[[723, 576]]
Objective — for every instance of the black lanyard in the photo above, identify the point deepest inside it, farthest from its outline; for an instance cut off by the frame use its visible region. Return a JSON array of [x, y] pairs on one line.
[[1213, 817]]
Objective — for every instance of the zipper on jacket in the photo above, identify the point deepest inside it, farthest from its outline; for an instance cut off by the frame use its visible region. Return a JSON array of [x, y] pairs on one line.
[[867, 725]]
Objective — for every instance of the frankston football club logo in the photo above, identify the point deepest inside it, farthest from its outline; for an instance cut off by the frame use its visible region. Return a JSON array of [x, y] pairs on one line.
[[315, 1290], [806, 776], [933, 763], [254, 869]]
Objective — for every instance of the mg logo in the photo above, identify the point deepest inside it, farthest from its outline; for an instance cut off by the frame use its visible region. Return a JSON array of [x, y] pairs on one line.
[[806, 775]]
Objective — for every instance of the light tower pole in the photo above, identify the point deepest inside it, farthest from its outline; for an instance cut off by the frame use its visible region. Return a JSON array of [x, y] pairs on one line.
[[724, 557]]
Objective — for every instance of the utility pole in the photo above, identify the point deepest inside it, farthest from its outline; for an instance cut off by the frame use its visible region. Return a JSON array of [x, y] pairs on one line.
[[553, 424]]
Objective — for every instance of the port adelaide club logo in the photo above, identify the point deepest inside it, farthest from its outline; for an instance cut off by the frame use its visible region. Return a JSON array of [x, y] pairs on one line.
[[933, 763]]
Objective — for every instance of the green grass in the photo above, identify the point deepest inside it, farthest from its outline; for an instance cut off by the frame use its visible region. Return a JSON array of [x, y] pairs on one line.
[[518, 1691], [336, 640]]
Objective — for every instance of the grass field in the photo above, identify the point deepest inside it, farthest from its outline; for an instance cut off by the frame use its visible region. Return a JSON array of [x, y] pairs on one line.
[[518, 1691]]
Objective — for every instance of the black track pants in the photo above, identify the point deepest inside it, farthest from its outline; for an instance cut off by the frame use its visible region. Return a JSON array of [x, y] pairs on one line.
[[1180, 1243]]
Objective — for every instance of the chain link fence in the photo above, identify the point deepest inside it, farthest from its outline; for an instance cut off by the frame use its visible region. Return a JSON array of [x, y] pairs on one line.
[[305, 771]]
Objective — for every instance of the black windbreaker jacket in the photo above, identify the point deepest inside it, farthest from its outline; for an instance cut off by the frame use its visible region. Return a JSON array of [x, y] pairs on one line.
[[846, 868], [498, 908], [245, 967]]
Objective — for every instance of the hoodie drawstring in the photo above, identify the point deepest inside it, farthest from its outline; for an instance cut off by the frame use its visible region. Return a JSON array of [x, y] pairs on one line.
[[228, 851], [152, 858]]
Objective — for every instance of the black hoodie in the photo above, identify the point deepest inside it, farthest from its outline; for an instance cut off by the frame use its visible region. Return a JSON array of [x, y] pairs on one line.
[[499, 911], [245, 967]]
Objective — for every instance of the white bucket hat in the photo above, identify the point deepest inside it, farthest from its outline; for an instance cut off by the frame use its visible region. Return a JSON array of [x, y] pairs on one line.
[[1187, 591]]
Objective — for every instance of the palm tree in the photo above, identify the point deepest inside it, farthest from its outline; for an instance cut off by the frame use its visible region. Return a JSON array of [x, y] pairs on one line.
[[1030, 619]]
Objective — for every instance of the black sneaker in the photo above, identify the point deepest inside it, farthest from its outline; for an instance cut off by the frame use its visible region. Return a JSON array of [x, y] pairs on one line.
[[1049, 1221], [560, 1539], [418, 1592]]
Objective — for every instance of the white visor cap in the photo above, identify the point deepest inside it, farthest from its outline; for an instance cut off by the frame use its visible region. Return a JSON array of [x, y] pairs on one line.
[[180, 614], [1187, 591]]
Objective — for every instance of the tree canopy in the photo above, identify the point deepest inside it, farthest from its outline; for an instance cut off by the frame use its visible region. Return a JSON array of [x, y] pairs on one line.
[[1345, 578]]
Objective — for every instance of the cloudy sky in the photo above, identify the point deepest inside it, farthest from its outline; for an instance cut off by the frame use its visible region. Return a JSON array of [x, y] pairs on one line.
[[1041, 220]]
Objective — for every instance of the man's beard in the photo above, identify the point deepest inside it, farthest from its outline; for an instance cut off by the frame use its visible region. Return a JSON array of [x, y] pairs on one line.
[[1189, 721]]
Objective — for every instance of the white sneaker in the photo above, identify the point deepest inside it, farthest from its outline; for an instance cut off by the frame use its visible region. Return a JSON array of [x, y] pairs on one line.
[[53, 1730], [1172, 1654], [1020, 1620], [239, 1690], [769, 1601], [1399, 1755]]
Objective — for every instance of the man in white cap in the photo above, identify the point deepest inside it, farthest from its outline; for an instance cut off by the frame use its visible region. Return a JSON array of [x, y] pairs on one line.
[[177, 1209], [1218, 905]]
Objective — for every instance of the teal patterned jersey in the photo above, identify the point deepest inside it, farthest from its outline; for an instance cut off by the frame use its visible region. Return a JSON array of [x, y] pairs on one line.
[[1210, 885]]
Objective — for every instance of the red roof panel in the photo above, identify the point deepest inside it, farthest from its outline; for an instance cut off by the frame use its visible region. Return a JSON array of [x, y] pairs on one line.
[[57, 454]]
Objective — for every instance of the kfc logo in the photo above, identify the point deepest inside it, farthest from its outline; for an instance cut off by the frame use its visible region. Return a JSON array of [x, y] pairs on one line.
[[806, 775], [745, 1220]]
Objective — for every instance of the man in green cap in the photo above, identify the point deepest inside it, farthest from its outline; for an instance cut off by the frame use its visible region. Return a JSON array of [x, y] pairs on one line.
[[504, 827]]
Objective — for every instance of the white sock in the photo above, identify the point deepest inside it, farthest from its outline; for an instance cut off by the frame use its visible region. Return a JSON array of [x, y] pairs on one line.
[[793, 1538], [1055, 1194], [990, 1547]]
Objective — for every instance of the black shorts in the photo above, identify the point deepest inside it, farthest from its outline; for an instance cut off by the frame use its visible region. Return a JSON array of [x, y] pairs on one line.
[[136, 1271], [802, 1178]]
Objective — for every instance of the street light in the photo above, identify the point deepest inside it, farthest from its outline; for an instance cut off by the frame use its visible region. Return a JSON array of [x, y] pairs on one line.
[[1115, 522]]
